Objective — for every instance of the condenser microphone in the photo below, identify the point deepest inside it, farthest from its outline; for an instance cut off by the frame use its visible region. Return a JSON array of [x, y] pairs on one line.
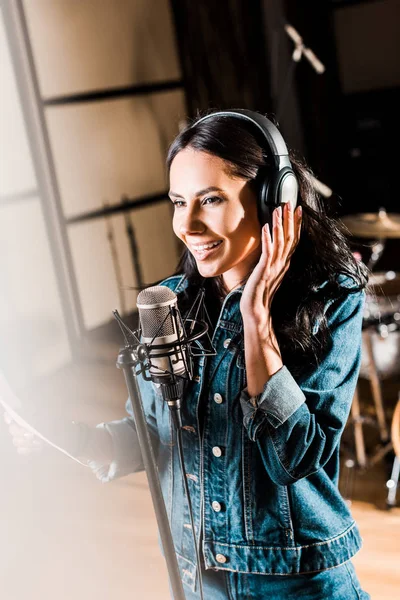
[[161, 326]]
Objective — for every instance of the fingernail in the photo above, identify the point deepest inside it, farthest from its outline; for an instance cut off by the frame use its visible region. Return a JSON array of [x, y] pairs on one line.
[[300, 209]]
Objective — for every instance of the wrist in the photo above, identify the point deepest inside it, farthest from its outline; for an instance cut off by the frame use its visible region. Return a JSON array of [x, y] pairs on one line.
[[259, 329]]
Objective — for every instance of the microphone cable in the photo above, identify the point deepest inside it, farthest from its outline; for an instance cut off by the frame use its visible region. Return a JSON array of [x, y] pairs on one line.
[[178, 432]]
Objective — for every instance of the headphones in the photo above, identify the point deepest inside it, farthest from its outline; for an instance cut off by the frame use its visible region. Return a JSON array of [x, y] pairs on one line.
[[277, 183]]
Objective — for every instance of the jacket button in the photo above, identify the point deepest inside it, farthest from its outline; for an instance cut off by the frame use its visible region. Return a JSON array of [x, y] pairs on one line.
[[227, 342], [218, 398], [217, 451], [216, 506], [220, 558]]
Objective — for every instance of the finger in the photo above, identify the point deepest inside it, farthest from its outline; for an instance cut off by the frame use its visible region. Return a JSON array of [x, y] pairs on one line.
[[297, 230], [19, 442], [288, 226], [7, 418], [278, 239], [299, 219], [267, 246], [16, 430]]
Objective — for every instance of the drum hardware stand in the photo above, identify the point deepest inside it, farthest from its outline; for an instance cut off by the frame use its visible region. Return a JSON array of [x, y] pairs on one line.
[[362, 462], [378, 227], [357, 420], [392, 483]]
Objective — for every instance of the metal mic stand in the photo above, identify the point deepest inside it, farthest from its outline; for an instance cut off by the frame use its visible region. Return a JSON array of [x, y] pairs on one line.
[[128, 359]]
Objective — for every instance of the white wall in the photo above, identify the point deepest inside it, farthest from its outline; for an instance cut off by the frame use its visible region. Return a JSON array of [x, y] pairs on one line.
[[101, 150], [32, 327]]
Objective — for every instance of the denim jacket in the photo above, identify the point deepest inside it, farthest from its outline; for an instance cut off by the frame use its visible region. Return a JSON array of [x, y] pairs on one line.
[[263, 476]]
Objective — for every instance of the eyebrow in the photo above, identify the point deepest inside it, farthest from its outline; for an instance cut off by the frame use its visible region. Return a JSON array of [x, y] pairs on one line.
[[199, 193]]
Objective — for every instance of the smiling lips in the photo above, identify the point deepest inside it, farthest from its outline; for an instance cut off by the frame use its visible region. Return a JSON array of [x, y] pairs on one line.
[[203, 251]]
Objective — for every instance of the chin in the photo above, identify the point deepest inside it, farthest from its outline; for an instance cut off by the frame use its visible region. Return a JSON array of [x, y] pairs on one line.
[[208, 270]]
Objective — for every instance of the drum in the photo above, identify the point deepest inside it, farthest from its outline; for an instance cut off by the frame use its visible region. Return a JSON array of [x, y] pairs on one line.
[[382, 323]]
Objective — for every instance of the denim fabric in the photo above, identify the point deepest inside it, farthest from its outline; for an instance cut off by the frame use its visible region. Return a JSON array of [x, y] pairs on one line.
[[338, 583], [267, 501]]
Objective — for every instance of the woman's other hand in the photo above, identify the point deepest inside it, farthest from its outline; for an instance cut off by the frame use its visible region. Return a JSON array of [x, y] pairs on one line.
[[79, 439], [25, 442]]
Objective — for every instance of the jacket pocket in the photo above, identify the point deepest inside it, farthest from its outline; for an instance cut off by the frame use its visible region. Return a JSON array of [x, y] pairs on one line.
[[266, 505], [286, 512]]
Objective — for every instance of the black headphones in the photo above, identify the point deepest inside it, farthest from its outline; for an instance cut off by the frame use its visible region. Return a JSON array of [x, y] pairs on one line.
[[277, 183]]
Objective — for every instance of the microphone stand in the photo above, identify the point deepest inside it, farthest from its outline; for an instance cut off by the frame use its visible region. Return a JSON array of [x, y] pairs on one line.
[[129, 357], [136, 354]]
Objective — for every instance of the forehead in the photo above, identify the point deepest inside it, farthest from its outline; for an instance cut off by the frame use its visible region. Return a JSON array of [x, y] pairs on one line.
[[198, 168]]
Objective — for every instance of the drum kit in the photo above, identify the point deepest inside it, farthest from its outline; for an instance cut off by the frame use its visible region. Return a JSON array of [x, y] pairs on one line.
[[380, 352]]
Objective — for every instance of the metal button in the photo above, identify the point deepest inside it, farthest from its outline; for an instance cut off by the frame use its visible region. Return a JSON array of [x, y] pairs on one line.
[[218, 398], [227, 342], [220, 558], [216, 506], [217, 451]]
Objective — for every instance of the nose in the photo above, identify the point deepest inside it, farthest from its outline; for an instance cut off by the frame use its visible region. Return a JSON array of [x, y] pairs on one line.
[[191, 224]]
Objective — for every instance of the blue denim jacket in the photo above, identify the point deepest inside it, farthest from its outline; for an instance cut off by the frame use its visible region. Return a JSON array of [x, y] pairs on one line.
[[263, 476]]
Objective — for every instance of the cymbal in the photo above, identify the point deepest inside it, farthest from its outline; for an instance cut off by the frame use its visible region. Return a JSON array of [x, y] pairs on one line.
[[378, 225]]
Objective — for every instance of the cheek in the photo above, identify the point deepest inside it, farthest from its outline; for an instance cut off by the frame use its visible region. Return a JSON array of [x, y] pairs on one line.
[[175, 226]]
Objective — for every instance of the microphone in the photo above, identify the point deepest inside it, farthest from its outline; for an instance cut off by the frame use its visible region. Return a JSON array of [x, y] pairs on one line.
[[161, 325], [164, 345], [167, 350]]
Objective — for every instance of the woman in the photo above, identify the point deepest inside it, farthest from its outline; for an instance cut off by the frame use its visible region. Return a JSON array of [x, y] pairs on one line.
[[262, 419]]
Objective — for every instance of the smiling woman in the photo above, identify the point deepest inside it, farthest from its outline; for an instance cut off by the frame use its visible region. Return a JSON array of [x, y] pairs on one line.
[[215, 216], [263, 417]]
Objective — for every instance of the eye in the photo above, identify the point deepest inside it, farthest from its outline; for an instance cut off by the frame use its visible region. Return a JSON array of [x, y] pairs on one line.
[[212, 200], [178, 203]]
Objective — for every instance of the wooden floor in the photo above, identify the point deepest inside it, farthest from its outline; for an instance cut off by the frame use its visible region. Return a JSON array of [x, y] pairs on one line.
[[65, 535]]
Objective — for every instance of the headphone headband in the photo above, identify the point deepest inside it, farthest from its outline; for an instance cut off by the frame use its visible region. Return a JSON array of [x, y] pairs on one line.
[[278, 183], [270, 133]]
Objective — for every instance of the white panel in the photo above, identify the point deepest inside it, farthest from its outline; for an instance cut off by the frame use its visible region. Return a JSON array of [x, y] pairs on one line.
[[105, 149], [16, 168], [157, 244], [82, 45], [368, 45], [94, 272], [95, 267], [32, 329]]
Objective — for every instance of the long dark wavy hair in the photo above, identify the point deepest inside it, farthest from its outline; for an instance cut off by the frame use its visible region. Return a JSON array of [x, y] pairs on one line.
[[322, 252]]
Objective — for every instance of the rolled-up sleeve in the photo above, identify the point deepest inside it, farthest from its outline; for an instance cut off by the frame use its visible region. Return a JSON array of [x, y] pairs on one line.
[[298, 423]]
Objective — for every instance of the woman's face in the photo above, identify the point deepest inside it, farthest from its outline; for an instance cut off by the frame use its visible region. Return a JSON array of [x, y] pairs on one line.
[[215, 216]]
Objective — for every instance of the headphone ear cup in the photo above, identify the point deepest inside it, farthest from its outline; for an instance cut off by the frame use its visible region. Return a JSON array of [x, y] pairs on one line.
[[287, 188], [275, 189], [265, 204]]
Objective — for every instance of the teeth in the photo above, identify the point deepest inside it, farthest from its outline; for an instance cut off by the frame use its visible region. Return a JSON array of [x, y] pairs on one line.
[[206, 246]]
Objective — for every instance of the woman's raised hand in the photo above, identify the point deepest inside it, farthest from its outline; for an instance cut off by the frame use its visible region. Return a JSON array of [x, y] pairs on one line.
[[274, 262]]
